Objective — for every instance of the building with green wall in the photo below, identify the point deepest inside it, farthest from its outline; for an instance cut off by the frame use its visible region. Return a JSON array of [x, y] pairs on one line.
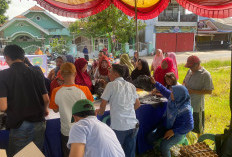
[[32, 29]]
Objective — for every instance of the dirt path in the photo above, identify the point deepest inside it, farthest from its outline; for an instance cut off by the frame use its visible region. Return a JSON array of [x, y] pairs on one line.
[[204, 56]]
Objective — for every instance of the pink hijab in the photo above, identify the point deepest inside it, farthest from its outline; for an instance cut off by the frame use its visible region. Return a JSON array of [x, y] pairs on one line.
[[172, 55], [157, 60]]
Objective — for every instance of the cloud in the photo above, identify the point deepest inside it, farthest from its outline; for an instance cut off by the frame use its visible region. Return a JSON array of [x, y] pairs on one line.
[[17, 7]]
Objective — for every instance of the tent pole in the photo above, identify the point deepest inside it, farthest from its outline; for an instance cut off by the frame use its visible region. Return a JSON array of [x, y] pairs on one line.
[[230, 90], [136, 25]]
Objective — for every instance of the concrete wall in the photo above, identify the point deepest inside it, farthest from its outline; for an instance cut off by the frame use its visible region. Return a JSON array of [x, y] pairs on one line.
[[45, 21], [149, 31], [16, 28]]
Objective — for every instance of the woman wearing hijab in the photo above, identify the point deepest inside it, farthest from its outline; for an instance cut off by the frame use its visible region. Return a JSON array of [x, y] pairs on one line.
[[157, 60], [57, 82], [142, 68], [103, 69], [166, 67], [170, 80], [82, 77], [125, 60], [53, 73], [177, 121], [172, 55], [126, 74]]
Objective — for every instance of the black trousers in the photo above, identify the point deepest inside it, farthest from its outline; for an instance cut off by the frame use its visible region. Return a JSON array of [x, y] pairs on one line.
[[64, 141], [86, 57]]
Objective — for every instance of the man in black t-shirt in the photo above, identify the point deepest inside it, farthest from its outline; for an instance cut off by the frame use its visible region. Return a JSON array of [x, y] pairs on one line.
[[23, 96]]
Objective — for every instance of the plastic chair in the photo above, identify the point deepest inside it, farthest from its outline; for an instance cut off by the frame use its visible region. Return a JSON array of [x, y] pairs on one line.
[[207, 137], [104, 120], [184, 141]]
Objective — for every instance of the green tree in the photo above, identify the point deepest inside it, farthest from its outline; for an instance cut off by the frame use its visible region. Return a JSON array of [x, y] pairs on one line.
[[3, 7], [60, 45], [111, 23]]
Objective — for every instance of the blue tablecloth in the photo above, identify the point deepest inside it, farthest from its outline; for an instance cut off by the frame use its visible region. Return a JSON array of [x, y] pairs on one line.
[[147, 115]]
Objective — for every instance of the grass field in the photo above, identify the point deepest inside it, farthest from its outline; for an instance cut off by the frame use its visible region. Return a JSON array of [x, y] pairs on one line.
[[217, 109]]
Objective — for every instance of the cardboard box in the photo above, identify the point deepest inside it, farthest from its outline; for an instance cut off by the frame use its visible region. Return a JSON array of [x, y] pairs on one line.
[[3, 153], [31, 150]]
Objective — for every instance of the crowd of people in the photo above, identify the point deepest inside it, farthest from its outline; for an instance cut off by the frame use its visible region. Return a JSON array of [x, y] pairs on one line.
[[26, 94]]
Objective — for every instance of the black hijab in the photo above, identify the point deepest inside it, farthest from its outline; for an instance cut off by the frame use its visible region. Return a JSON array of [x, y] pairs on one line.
[[126, 73], [144, 71]]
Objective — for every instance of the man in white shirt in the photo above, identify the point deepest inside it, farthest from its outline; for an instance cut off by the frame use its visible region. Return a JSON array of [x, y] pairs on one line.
[[123, 101], [90, 137]]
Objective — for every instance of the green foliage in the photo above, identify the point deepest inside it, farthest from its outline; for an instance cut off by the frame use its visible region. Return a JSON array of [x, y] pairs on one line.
[[111, 23], [3, 7], [59, 45]]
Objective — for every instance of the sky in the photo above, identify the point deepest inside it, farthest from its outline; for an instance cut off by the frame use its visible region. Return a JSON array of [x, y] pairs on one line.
[[17, 7]]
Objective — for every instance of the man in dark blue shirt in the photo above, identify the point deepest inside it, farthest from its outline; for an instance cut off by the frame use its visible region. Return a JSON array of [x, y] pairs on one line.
[[86, 53], [23, 96]]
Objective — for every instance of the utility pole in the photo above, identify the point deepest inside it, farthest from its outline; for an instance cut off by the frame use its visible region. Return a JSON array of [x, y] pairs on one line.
[[136, 25]]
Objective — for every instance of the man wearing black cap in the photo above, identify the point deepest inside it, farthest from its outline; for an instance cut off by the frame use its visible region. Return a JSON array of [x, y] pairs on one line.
[[198, 81], [90, 137]]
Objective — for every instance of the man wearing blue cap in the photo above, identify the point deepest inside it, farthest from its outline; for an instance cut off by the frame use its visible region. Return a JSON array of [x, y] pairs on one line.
[[90, 137]]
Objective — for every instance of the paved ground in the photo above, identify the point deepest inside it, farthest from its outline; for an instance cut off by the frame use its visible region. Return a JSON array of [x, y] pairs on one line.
[[204, 56]]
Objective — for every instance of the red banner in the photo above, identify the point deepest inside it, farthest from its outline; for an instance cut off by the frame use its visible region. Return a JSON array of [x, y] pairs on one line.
[[95, 6], [206, 8]]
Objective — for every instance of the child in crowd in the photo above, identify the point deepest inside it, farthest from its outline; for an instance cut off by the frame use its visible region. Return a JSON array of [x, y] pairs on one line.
[[178, 118]]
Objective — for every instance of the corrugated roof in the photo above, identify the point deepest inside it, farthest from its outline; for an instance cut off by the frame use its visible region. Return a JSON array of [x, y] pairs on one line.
[[223, 24], [20, 16]]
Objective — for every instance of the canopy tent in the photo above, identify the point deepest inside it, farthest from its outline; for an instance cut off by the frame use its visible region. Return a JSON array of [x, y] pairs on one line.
[[146, 9], [208, 8], [141, 9]]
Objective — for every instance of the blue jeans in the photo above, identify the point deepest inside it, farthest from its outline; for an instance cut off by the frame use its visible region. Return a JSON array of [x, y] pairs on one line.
[[155, 136], [26, 133], [127, 140]]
